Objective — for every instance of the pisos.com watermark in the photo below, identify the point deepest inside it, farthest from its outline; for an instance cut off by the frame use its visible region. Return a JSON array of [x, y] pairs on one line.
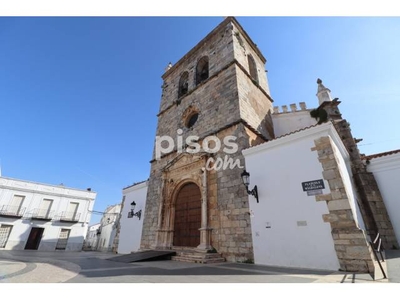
[[210, 144]]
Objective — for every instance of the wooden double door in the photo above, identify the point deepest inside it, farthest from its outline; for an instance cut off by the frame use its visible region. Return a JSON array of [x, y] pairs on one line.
[[187, 220]]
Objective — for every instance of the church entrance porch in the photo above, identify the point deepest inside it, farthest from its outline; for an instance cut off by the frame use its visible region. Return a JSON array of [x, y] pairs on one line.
[[187, 216], [183, 211]]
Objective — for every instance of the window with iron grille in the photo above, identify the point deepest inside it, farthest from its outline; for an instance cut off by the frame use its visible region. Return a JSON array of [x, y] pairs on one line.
[[5, 231]]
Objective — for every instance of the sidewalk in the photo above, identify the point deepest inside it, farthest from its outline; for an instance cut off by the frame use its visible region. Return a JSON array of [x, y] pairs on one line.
[[48, 267], [393, 265]]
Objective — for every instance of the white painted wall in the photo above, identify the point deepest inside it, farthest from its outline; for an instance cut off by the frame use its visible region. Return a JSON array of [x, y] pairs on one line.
[[285, 123], [108, 227], [131, 228], [386, 170], [34, 194], [343, 159], [106, 237], [278, 168], [92, 237]]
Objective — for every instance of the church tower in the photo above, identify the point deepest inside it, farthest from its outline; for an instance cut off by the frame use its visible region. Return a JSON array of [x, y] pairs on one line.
[[215, 102]]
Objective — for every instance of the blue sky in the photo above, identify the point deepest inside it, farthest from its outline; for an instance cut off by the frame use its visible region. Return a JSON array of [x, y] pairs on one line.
[[79, 96]]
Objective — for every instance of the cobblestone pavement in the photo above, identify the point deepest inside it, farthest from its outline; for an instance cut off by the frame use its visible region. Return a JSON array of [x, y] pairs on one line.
[[93, 267]]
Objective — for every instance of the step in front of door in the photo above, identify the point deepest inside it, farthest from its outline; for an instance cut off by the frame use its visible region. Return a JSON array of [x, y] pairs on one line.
[[197, 257]]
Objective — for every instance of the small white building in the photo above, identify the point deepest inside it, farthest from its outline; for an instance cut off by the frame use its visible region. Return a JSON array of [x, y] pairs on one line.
[[131, 221], [45, 217], [92, 237], [108, 228]]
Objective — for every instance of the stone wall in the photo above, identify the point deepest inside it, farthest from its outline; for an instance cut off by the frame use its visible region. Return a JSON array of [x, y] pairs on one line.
[[243, 47], [229, 207], [217, 46], [352, 248], [255, 106], [215, 101]]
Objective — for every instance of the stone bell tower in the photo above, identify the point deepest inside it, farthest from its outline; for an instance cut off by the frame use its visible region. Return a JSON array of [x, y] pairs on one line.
[[218, 95]]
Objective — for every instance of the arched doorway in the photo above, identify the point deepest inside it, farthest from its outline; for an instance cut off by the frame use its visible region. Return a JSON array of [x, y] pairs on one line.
[[187, 216]]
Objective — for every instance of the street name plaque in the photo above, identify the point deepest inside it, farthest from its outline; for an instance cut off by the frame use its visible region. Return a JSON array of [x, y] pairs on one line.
[[313, 187]]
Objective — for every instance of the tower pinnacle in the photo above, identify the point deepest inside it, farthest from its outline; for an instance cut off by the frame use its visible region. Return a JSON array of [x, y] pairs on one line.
[[323, 93]]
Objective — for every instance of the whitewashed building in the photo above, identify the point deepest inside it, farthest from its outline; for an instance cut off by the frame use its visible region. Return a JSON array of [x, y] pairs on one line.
[[287, 225], [92, 239], [108, 228], [131, 221], [316, 203], [43, 217]]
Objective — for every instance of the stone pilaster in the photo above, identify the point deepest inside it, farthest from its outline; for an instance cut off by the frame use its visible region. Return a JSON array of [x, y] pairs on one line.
[[161, 208], [351, 245], [204, 230]]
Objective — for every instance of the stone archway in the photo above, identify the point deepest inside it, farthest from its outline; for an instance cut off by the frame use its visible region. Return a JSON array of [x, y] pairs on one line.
[[187, 221]]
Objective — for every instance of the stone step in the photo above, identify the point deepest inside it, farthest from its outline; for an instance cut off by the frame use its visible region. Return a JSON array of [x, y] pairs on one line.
[[187, 249], [195, 255], [198, 260], [198, 255]]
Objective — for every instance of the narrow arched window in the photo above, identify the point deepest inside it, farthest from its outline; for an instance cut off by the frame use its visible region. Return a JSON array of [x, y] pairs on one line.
[[202, 70], [183, 84], [252, 68]]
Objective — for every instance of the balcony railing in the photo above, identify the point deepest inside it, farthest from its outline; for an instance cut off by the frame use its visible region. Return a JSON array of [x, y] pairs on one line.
[[42, 214], [9, 211], [70, 216]]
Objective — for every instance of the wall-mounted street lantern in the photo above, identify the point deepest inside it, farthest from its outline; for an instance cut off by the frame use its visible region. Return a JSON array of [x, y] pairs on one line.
[[246, 181], [132, 213]]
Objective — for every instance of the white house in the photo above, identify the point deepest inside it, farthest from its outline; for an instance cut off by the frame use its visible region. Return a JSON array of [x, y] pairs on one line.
[[92, 237], [108, 228], [131, 222], [43, 217]]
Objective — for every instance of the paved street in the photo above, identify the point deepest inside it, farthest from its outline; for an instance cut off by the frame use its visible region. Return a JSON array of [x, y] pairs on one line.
[[93, 267]]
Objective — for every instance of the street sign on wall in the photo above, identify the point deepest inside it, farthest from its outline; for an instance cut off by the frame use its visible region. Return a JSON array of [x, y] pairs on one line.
[[313, 187]]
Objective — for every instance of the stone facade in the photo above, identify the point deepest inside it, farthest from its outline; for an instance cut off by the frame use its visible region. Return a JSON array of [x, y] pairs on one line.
[[351, 246], [230, 102]]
